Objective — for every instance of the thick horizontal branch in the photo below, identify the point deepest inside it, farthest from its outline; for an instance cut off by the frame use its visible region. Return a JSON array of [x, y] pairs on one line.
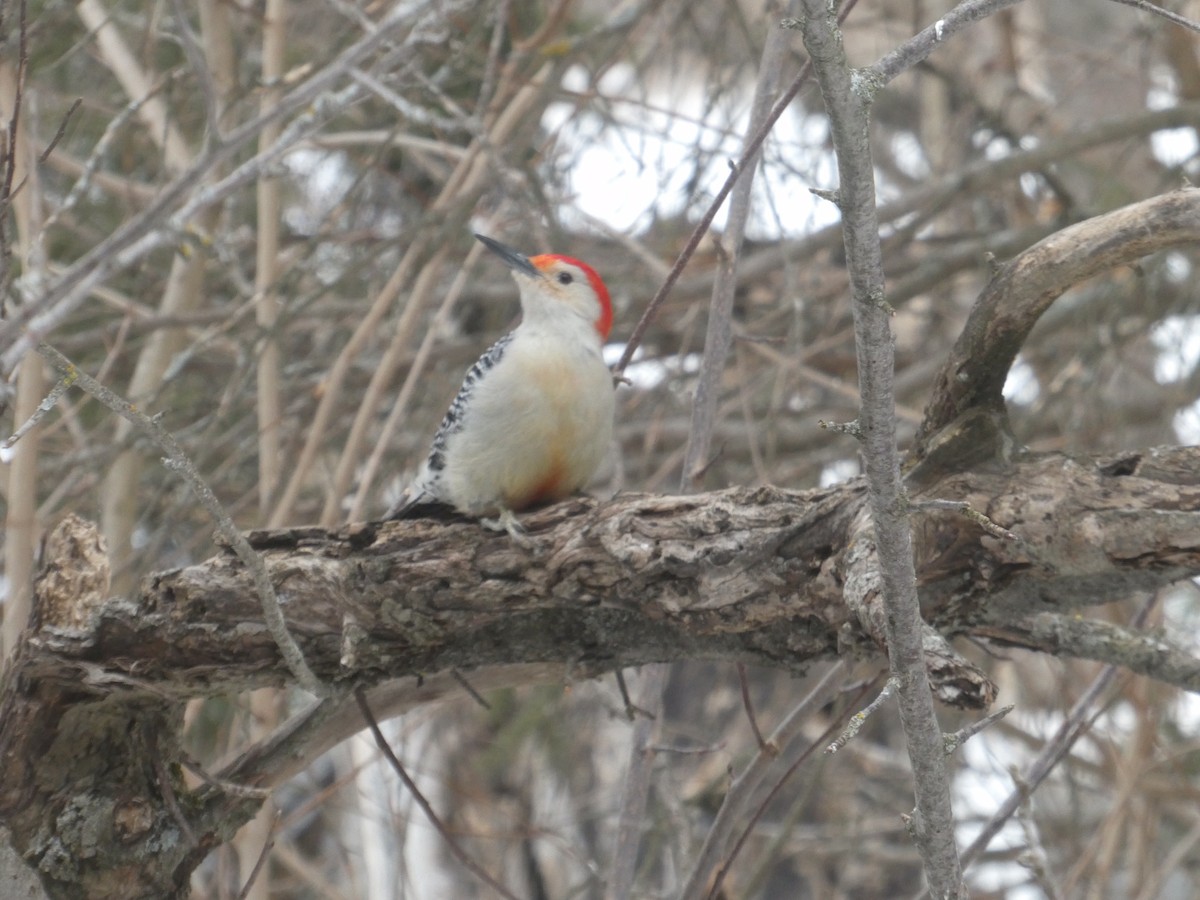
[[766, 576], [759, 575]]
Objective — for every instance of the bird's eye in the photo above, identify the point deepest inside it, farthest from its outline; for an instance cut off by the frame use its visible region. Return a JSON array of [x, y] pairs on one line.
[[565, 278]]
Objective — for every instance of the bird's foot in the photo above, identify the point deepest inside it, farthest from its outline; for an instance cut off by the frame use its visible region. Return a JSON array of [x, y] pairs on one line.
[[507, 521]]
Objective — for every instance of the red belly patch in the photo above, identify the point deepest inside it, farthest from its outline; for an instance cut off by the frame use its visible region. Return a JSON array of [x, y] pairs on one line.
[[549, 488]]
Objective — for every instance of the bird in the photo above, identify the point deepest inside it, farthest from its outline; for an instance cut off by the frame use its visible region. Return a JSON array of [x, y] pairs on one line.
[[533, 419]]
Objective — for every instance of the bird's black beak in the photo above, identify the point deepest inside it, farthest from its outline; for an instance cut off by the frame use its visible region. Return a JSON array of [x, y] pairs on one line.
[[518, 262]]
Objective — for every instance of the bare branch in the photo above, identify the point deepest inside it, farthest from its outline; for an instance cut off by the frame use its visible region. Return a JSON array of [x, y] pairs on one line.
[[859, 719], [747, 785], [969, 385], [636, 788], [749, 151], [847, 102], [1154, 656], [715, 891], [155, 226], [1154, 9], [178, 462], [1074, 726], [918, 47]]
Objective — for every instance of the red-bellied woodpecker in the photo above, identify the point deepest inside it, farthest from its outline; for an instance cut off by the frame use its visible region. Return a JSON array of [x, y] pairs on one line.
[[534, 417]]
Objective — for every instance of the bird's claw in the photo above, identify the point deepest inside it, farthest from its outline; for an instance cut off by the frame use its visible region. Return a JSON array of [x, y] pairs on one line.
[[507, 521]]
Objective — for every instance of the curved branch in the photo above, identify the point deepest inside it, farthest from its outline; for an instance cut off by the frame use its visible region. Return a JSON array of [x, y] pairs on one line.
[[972, 378]]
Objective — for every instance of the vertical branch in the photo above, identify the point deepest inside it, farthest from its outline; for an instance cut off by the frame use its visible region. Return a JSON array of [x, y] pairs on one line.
[[266, 308], [8, 155], [636, 788], [119, 494], [847, 98], [266, 704], [20, 520], [720, 311]]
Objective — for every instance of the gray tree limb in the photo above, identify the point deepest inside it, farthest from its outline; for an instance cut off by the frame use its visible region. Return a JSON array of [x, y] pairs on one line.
[[848, 96]]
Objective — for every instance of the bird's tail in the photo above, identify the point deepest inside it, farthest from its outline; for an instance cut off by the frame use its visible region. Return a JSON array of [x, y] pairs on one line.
[[416, 503]]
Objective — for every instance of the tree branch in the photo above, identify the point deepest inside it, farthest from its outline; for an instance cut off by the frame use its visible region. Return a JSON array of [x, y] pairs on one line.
[[1095, 639], [967, 392], [752, 575], [848, 96]]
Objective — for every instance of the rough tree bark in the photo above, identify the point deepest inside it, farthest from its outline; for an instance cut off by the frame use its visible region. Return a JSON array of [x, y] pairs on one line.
[[93, 699]]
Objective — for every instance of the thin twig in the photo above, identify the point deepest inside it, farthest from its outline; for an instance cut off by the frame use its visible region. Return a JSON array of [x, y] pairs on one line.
[[631, 711], [917, 48], [163, 777], [741, 793], [860, 718], [232, 788], [155, 227], [9, 154], [386, 749], [63, 385], [199, 66], [966, 509], [715, 890], [749, 152], [470, 688], [748, 706], [718, 335], [953, 741], [99, 151], [177, 461], [636, 788], [1074, 726], [1151, 8], [62, 130]]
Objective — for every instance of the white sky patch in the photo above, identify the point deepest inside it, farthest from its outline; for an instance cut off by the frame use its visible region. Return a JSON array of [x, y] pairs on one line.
[[838, 471], [909, 156], [1181, 616], [1021, 386], [326, 180], [1178, 341], [1187, 424], [981, 786], [644, 167], [647, 374], [1187, 708], [993, 147], [1178, 268], [1173, 146], [612, 354]]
